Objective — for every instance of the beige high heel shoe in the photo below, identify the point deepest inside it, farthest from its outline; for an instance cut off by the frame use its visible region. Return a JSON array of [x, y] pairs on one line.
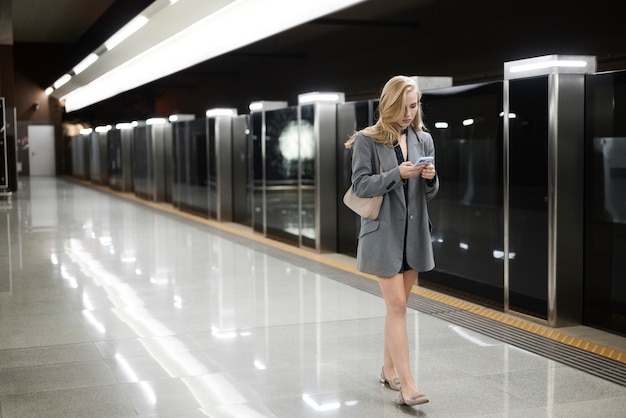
[[417, 398], [391, 384]]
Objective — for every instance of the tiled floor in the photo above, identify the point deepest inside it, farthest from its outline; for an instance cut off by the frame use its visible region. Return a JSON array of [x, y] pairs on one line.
[[109, 308]]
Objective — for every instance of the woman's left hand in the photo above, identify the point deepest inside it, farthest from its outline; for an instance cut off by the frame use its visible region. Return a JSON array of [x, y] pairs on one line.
[[429, 172]]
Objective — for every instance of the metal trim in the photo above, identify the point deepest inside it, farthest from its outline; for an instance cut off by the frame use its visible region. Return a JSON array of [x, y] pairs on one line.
[[505, 182]]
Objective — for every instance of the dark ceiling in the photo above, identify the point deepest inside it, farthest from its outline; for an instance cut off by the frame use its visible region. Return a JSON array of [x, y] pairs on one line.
[[353, 51]]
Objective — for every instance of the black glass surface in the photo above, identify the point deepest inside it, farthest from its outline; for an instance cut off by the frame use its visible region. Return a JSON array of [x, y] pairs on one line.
[[605, 202], [211, 156], [281, 175], [94, 156], [257, 172], [85, 155], [114, 158], [190, 166], [73, 155], [308, 162], [467, 214], [241, 163], [179, 163], [142, 163], [3, 150], [528, 197], [78, 156], [197, 196]]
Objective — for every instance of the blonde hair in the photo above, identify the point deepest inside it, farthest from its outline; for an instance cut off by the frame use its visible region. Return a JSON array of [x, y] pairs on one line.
[[391, 104]]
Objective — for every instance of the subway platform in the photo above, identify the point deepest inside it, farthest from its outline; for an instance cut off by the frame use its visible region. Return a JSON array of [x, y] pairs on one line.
[[113, 306]]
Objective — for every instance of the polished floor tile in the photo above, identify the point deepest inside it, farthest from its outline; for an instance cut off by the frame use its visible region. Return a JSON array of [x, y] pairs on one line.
[[112, 308]]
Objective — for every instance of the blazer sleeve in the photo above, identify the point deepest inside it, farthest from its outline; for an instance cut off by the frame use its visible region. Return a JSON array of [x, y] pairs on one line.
[[432, 189], [367, 180]]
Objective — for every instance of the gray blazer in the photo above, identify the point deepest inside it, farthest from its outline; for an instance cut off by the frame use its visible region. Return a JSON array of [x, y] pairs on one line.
[[381, 241]]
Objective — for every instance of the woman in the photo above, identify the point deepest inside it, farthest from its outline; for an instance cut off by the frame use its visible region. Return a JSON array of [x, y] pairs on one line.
[[397, 245]]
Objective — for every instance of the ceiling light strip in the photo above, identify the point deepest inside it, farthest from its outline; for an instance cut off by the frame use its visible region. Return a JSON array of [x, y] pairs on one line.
[[85, 63], [126, 31], [214, 35]]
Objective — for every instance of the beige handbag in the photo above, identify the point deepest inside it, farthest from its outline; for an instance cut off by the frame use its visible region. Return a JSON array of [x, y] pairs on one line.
[[366, 207]]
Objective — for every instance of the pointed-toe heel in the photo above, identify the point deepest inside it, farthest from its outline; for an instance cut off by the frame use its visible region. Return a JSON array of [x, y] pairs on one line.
[[391, 384], [417, 398]]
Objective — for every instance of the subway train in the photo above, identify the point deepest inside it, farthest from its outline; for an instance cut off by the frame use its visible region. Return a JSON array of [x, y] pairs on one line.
[[531, 214]]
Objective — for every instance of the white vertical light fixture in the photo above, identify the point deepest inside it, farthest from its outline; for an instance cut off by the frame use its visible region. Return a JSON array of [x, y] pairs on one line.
[[266, 105], [104, 128], [220, 111], [549, 64], [156, 121], [312, 97], [179, 117]]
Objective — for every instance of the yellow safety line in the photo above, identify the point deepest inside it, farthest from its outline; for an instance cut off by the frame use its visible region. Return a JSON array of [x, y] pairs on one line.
[[525, 325], [430, 294]]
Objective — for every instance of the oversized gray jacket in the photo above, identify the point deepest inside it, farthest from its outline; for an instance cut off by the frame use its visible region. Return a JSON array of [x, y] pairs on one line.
[[381, 241]]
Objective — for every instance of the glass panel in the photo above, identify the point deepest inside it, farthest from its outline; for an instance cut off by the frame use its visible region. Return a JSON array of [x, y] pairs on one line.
[[467, 214], [141, 162], [308, 162], [241, 171], [197, 192], [102, 153], [190, 166], [257, 175], [114, 160], [85, 155], [605, 202], [179, 175], [3, 149], [75, 165], [78, 156], [528, 197], [127, 159], [94, 156], [281, 177], [212, 168]]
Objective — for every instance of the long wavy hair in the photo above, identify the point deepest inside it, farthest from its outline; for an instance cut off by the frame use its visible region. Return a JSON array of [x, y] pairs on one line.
[[390, 106]]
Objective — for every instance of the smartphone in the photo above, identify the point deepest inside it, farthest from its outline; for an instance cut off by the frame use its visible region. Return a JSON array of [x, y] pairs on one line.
[[424, 160]]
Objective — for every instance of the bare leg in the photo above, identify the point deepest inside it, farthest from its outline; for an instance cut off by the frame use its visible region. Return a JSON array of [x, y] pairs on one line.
[[396, 291], [410, 278]]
